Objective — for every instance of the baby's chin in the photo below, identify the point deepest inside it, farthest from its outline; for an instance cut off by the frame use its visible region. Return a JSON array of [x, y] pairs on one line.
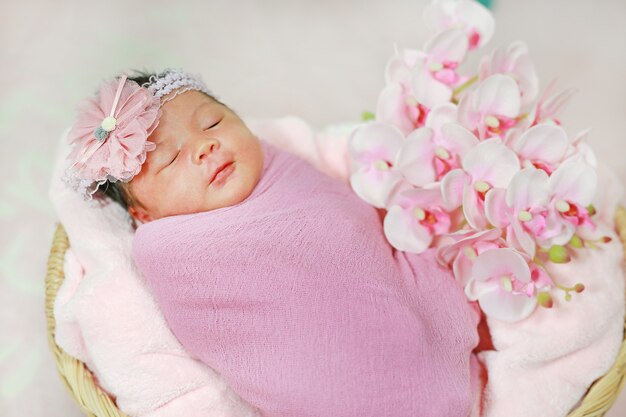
[[233, 191]]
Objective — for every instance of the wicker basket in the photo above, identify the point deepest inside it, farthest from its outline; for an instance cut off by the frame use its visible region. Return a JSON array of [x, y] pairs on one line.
[[95, 402]]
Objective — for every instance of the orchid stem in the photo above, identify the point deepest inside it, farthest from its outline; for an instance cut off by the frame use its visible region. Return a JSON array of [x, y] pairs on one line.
[[463, 86]]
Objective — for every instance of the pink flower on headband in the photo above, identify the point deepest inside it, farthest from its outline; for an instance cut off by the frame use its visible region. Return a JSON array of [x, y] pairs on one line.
[[110, 136]]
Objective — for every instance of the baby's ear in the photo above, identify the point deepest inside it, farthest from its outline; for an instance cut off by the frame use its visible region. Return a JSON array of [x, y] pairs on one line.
[[139, 213]]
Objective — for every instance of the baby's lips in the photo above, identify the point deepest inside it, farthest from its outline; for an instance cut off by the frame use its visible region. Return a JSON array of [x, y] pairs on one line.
[[221, 165]]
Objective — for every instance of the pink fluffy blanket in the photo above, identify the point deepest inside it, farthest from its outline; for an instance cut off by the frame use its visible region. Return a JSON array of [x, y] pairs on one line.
[[297, 299]]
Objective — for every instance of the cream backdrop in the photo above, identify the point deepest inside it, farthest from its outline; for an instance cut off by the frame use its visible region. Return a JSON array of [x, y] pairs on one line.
[[321, 60]]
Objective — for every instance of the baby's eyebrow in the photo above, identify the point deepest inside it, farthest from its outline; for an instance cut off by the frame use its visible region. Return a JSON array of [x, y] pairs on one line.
[[197, 110]]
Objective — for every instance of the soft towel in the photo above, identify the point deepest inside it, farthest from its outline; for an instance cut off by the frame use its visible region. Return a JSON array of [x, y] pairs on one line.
[[295, 296]]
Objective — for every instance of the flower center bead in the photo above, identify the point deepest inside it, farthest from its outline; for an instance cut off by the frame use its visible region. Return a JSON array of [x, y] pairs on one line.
[[435, 66], [442, 153], [382, 165], [507, 284], [419, 213], [108, 124], [481, 186], [492, 122], [562, 206], [525, 216]]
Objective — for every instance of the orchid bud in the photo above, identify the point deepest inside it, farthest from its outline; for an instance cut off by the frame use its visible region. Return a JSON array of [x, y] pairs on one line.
[[367, 116], [545, 300], [579, 288], [558, 254], [591, 210], [606, 239], [576, 242]]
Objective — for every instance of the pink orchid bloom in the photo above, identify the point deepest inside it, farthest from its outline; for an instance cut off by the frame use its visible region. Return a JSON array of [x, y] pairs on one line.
[[492, 108], [434, 75], [465, 247], [415, 219], [523, 209], [572, 188], [513, 61], [397, 104], [543, 146], [428, 154], [502, 283], [476, 20], [488, 165], [373, 149]]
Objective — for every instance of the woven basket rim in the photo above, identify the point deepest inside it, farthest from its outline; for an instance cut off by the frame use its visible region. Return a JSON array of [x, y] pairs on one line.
[[94, 401]]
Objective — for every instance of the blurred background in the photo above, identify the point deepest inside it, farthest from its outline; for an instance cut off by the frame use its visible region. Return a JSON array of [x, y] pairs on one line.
[[323, 61]]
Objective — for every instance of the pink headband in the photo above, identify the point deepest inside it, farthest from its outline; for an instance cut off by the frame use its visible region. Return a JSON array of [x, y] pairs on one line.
[[110, 136]]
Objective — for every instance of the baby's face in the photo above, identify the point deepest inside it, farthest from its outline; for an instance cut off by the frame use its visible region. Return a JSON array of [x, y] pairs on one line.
[[196, 136]]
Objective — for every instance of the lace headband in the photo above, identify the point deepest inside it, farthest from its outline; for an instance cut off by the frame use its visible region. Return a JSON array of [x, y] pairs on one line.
[[109, 139]]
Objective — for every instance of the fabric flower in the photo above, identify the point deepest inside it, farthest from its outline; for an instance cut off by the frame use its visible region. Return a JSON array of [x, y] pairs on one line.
[[418, 216], [476, 21], [543, 146], [397, 104], [464, 248], [501, 282], [428, 154], [515, 62], [488, 165], [118, 156], [373, 149], [434, 75], [492, 108]]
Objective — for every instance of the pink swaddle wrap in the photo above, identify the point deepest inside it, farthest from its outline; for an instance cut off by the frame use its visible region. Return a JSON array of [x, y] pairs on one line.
[[296, 298]]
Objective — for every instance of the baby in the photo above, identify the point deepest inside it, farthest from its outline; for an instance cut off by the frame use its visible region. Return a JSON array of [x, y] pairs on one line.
[[281, 279]]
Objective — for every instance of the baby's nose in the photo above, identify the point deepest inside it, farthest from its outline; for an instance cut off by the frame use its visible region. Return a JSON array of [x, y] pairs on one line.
[[205, 148]]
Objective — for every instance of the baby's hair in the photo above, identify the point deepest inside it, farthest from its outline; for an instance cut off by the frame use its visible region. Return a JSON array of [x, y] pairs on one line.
[[119, 191]]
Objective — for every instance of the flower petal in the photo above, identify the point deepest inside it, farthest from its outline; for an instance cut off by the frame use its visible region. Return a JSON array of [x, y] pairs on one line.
[[374, 186], [498, 94], [505, 306], [528, 189], [415, 159], [375, 140], [492, 162], [459, 139], [543, 142], [391, 108], [452, 188], [495, 263], [427, 89], [404, 233], [450, 45], [574, 181], [495, 207]]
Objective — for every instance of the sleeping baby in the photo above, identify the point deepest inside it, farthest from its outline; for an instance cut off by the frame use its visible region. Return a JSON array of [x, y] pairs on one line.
[[269, 271]]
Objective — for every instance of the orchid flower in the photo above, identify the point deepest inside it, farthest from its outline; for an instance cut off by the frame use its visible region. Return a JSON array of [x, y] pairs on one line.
[[522, 209], [513, 61], [488, 165], [397, 104], [373, 149], [476, 21], [572, 188], [492, 108], [434, 75], [502, 283], [465, 247], [418, 216], [543, 146], [428, 154]]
